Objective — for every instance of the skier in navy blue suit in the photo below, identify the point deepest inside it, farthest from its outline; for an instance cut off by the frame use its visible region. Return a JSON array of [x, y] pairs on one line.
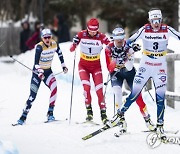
[[45, 51]]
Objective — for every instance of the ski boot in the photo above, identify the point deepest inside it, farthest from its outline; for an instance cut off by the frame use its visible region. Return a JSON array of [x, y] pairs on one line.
[[89, 113], [117, 120], [22, 119], [122, 127], [160, 132], [50, 116], [104, 116], [150, 125]]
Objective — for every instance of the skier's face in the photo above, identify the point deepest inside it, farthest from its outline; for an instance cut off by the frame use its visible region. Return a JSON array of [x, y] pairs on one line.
[[92, 33], [119, 43], [47, 40], [156, 24]]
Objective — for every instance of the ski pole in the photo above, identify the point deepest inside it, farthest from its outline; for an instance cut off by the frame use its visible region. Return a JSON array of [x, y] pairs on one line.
[[30, 68], [23, 65], [72, 86], [114, 104], [112, 77], [106, 86], [58, 73], [149, 93]]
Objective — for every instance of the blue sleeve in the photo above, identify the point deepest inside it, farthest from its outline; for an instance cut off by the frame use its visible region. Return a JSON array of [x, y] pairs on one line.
[[37, 54], [60, 55]]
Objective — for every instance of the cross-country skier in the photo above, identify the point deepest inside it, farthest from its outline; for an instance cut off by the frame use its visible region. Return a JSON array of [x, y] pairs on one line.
[[119, 60], [155, 36], [91, 43], [44, 53]]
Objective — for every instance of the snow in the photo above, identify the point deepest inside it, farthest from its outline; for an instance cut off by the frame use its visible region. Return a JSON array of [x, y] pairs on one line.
[[63, 137]]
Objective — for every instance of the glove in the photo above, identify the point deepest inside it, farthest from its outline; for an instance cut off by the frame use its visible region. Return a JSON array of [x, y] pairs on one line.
[[73, 47], [136, 47], [41, 76], [40, 72], [111, 66], [65, 69], [75, 40]]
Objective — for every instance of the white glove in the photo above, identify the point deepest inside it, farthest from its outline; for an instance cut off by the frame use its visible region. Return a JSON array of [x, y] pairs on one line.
[[40, 72]]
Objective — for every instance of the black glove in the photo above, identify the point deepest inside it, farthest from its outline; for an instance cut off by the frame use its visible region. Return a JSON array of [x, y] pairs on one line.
[[136, 47], [76, 39], [65, 69]]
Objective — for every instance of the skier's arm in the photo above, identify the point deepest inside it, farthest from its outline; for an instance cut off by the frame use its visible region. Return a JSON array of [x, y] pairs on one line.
[[37, 54], [108, 56], [111, 64], [36, 67], [76, 40], [172, 32], [61, 58], [135, 36], [105, 40], [129, 63]]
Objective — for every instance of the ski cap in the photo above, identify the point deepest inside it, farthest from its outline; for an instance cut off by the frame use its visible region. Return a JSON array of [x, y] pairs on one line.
[[118, 34], [156, 13], [93, 25], [46, 33]]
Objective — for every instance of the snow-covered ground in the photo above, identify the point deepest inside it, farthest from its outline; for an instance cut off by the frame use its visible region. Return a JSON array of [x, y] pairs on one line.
[[63, 137]]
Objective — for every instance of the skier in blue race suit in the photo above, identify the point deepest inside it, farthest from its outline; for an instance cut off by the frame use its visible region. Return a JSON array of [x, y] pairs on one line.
[[44, 53]]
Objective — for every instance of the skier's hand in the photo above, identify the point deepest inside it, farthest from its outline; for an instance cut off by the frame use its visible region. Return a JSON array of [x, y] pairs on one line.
[[76, 40], [111, 66], [65, 69], [136, 47], [73, 47], [41, 76], [40, 72]]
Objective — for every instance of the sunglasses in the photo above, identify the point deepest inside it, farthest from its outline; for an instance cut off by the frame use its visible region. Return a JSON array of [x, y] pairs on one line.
[[48, 37], [156, 21]]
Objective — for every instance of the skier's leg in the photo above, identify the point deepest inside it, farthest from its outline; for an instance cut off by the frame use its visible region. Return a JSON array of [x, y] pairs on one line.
[[116, 83], [98, 81], [34, 86], [160, 81], [136, 85], [50, 82], [85, 80]]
